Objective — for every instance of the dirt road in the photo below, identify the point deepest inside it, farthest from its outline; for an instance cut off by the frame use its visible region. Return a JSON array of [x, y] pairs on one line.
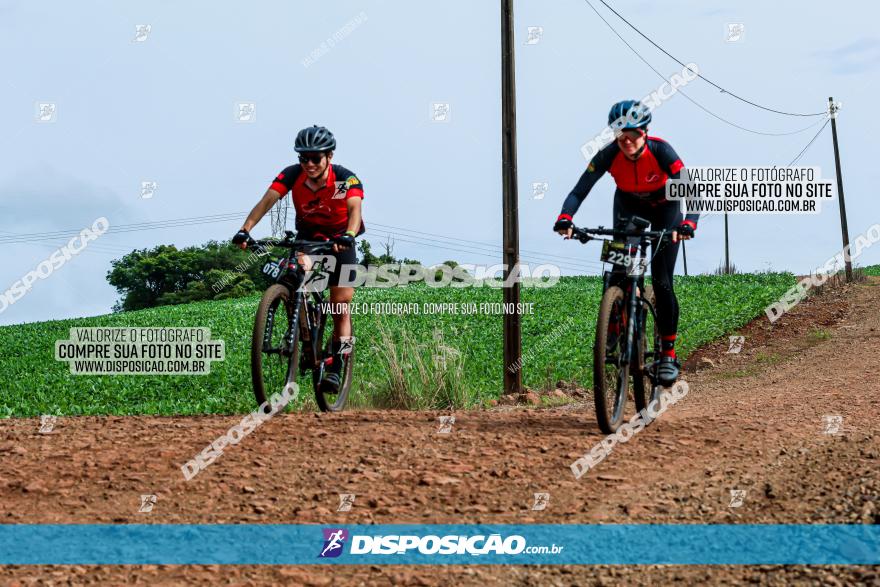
[[761, 422]]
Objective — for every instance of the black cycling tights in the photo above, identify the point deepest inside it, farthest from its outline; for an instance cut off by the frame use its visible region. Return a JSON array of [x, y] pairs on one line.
[[665, 215]]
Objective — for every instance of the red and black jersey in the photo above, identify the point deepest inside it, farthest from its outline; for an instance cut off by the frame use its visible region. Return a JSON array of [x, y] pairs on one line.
[[324, 211], [648, 173], [641, 179]]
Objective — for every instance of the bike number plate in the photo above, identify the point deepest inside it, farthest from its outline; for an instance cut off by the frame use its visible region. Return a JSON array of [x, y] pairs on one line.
[[615, 253], [272, 269]]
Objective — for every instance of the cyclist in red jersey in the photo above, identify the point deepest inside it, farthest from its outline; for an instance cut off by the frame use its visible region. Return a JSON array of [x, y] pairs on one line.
[[327, 199], [641, 165]]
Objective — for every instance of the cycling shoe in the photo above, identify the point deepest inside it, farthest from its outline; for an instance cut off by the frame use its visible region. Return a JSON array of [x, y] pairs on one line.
[[330, 383], [667, 371]]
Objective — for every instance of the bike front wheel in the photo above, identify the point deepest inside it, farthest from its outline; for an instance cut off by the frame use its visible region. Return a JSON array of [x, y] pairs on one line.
[[647, 353], [274, 344], [610, 370]]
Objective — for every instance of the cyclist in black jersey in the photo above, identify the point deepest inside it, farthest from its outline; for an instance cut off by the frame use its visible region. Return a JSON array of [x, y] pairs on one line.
[[641, 166]]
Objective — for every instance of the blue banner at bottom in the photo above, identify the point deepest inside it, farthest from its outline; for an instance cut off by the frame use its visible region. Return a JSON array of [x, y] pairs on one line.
[[451, 544]]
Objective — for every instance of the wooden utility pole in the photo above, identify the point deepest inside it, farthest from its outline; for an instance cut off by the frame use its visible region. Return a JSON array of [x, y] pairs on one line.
[[844, 229], [510, 206], [726, 248]]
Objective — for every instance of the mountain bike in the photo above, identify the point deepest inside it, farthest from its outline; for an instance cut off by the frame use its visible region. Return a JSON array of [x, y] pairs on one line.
[[298, 339], [625, 347]]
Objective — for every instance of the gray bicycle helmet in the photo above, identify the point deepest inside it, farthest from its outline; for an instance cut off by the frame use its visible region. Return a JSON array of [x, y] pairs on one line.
[[315, 139]]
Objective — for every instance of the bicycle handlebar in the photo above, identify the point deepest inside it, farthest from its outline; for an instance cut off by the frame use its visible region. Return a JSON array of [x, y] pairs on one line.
[[587, 234], [290, 242]]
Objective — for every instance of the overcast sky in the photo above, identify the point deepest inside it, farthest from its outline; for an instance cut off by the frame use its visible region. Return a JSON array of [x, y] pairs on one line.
[[163, 107]]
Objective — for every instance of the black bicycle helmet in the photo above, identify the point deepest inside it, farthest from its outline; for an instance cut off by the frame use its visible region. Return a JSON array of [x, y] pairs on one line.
[[315, 139], [631, 113]]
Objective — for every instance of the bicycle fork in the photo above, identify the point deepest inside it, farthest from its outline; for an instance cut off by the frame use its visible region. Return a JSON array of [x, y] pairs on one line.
[[632, 318], [292, 323]]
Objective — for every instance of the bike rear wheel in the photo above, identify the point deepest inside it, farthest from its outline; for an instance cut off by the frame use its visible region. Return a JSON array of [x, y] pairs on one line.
[[274, 349], [610, 371], [647, 352], [330, 402]]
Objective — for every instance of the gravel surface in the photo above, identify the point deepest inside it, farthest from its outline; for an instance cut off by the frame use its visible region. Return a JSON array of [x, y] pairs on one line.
[[758, 422]]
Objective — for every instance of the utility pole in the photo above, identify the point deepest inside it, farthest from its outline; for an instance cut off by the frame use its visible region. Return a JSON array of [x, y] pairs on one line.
[[726, 248], [510, 206], [844, 229]]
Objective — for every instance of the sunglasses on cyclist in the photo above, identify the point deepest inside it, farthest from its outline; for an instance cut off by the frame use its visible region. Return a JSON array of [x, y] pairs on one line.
[[314, 158], [630, 135]]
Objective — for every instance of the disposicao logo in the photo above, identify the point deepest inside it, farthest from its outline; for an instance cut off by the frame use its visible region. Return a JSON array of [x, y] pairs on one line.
[[334, 541]]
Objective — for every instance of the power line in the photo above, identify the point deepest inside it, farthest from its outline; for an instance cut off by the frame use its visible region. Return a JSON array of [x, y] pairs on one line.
[[492, 251], [683, 93], [804, 150], [723, 90], [492, 254], [534, 252], [706, 219], [122, 228], [92, 248]]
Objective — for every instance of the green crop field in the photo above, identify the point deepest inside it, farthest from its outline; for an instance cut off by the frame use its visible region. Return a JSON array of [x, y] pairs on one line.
[[460, 353]]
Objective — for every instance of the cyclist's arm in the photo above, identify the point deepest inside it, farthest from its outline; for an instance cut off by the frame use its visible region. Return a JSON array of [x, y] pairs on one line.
[[282, 184], [675, 169], [354, 214], [693, 217], [269, 199], [597, 167], [353, 199]]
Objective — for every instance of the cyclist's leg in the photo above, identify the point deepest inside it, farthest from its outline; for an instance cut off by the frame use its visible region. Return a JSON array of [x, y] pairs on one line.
[[624, 209], [340, 298], [668, 216]]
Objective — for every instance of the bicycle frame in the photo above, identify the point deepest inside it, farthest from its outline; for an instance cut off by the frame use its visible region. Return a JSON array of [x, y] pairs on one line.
[[634, 286], [636, 245], [292, 276]]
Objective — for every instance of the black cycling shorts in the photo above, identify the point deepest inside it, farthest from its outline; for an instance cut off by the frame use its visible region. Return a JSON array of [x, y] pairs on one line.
[[343, 258]]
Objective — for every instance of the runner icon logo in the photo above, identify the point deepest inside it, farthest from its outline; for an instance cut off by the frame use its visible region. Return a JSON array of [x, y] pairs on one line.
[[147, 503], [535, 35], [833, 422], [346, 500], [346, 345], [736, 344], [148, 189], [735, 31], [440, 112], [446, 423], [541, 501], [47, 423], [334, 541], [737, 497], [317, 279], [540, 189]]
